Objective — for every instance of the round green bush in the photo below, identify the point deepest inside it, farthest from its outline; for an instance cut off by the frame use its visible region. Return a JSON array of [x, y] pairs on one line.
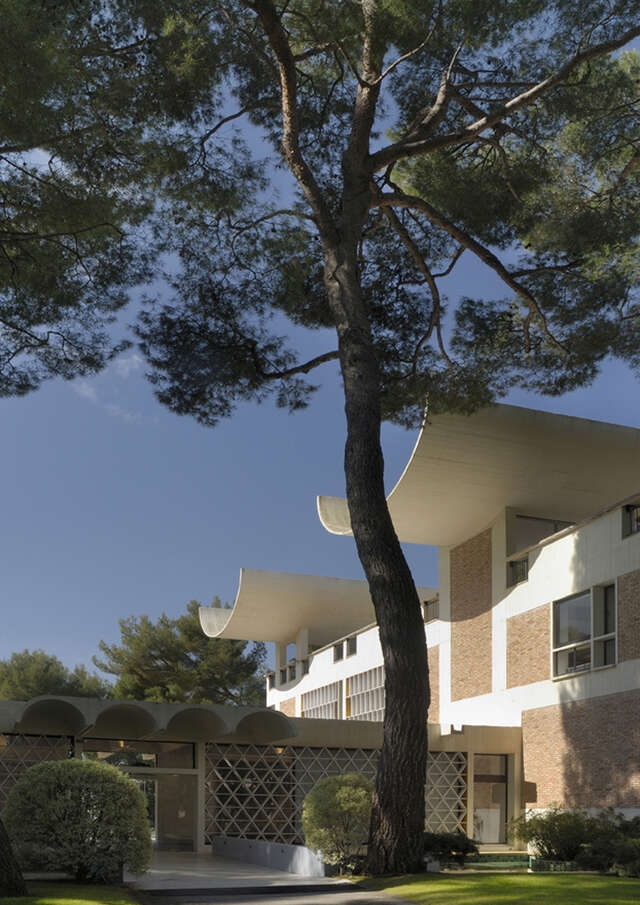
[[335, 817], [556, 834], [82, 817]]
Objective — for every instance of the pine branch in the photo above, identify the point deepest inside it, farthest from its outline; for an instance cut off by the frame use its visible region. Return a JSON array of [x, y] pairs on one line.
[[279, 42], [411, 146], [288, 372], [411, 202]]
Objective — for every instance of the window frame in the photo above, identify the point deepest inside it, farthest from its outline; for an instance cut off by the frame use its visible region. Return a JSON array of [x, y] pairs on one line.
[[431, 609], [631, 520], [512, 571], [594, 593]]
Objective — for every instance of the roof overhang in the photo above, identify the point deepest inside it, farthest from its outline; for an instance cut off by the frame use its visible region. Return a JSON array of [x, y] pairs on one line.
[[466, 469], [91, 717], [275, 606]]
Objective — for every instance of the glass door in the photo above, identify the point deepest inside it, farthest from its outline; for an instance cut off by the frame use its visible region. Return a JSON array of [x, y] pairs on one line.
[[171, 809], [176, 812], [490, 798]]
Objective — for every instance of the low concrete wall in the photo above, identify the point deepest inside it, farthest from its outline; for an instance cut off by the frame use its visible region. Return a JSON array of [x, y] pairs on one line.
[[296, 859]]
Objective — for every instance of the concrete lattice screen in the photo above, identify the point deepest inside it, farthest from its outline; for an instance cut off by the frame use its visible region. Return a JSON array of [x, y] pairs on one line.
[[19, 752], [257, 791]]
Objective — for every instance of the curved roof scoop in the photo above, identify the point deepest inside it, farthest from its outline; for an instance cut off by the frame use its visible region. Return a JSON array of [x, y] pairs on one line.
[[275, 606], [466, 469]]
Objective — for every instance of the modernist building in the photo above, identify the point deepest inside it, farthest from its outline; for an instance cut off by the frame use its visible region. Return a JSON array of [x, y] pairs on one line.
[[535, 625], [534, 653]]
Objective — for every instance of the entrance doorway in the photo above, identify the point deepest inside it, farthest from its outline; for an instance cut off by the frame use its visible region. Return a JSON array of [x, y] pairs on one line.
[[171, 809], [490, 798], [167, 775]]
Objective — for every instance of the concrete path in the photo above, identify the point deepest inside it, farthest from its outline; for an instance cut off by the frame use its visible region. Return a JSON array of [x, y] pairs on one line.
[[345, 896], [185, 871]]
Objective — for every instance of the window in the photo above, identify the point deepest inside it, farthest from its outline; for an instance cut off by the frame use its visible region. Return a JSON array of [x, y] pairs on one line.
[[323, 703], [137, 753], [271, 680], [517, 571], [305, 667], [352, 645], [365, 695], [527, 531], [584, 631], [431, 609], [292, 671], [338, 651], [283, 676], [631, 520]]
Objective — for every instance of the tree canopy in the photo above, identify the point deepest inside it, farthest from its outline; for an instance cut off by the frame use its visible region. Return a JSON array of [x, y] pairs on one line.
[[173, 660], [513, 131], [28, 674]]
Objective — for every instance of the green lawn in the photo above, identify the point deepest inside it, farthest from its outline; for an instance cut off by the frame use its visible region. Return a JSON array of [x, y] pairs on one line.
[[510, 889], [72, 894]]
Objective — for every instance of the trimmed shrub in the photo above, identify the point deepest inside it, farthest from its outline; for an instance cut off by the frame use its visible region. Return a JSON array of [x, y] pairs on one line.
[[82, 817], [335, 818], [449, 846], [557, 834]]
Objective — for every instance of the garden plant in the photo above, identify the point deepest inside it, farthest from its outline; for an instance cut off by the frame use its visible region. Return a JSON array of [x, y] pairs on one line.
[[85, 818], [335, 818]]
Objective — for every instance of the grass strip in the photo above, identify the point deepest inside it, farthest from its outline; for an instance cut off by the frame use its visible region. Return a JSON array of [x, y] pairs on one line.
[[72, 894], [509, 889]]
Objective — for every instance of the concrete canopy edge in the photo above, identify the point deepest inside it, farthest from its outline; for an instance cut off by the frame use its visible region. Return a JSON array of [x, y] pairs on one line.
[[274, 606], [465, 469]]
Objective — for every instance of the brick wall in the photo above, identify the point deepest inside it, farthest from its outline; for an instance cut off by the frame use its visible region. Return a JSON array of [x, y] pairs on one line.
[[470, 565], [288, 707], [629, 616], [584, 753], [434, 682], [528, 646]]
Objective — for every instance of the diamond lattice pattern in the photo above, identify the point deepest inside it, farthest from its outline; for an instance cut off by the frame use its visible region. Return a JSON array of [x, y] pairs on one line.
[[19, 752], [257, 791], [446, 792]]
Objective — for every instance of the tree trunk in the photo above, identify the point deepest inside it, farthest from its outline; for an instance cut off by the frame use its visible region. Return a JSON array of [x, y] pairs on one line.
[[11, 880], [397, 821]]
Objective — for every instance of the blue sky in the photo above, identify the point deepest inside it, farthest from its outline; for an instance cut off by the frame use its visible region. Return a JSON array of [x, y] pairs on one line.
[[114, 506]]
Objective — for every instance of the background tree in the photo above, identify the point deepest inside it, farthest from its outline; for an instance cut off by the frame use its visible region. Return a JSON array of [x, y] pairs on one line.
[[514, 139], [28, 674], [173, 660]]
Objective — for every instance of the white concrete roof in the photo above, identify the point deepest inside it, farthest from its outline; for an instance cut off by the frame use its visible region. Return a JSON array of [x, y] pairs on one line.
[[274, 606], [464, 470]]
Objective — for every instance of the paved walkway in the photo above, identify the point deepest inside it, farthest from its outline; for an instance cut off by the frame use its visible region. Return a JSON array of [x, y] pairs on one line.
[[184, 871], [347, 896]]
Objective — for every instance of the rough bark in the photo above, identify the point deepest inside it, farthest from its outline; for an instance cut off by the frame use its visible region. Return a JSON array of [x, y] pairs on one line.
[[397, 821], [11, 880]]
